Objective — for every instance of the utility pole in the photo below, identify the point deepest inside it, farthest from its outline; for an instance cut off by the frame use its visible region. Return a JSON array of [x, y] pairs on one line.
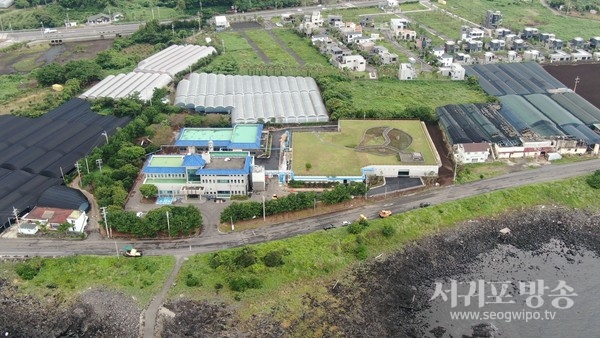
[[62, 174], [455, 168], [232, 226], [576, 83], [16, 214], [78, 171], [99, 163], [43, 33], [168, 225], [87, 165], [173, 29], [105, 221], [117, 249], [105, 134], [264, 213]]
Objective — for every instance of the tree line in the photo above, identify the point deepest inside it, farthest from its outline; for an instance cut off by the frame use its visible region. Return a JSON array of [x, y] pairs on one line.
[[292, 202]]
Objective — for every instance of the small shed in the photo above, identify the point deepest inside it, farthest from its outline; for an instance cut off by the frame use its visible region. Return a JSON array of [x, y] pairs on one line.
[[28, 228], [553, 156]]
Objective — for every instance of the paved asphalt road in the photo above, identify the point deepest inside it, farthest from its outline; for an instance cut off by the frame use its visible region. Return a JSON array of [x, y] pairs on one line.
[[216, 241], [88, 32]]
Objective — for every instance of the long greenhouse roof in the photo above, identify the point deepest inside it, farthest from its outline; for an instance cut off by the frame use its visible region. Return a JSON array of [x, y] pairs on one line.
[[35, 152], [174, 59], [514, 78], [124, 85], [252, 98]]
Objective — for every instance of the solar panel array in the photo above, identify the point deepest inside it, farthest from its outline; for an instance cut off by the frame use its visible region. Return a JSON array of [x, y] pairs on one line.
[[34, 151]]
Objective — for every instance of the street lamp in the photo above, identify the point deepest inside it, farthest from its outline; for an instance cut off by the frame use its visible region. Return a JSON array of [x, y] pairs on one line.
[[42, 28]]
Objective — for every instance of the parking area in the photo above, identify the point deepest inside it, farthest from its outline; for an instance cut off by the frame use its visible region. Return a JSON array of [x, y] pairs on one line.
[[393, 184]]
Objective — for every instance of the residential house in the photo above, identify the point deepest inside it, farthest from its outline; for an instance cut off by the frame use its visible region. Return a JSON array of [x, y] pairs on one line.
[[457, 72], [423, 42], [384, 55], [546, 36], [365, 44], [559, 56], [492, 19], [450, 47], [438, 51], [98, 19], [577, 43], [554, 44], [519, 45], [581, 55], [52, 218], [469, 33], [350, 37], [320, 38], [392, 3], [529, 33], [509, 38], [406, 71], [501, 32], [532, 55], [471, 152], [496, 45], [354, 63], [445, 60], [407, 34], [463, 59], [512, 56], [488, 57], [474, 46], [367, 21], [316, 19], [595, 42], [333, 19], [596, 56]]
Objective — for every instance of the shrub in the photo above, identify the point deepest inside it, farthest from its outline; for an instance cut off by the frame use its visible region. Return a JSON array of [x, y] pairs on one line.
[[594, 180], [273, 259], [28, 270], [245, 257], [388, 231], [241, 284], [191, 280], [361, 252], [363, 222], [355, 228]]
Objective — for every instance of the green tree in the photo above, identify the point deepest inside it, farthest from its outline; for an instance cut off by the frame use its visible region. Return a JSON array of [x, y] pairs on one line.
[[64, 227], [149, 190], [308, 166]]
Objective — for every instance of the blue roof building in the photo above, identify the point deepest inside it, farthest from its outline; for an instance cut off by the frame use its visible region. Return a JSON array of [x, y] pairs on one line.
[[240, 137]]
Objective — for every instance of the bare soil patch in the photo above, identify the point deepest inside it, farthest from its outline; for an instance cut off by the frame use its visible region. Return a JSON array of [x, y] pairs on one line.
[[61, 54], [589, 81]]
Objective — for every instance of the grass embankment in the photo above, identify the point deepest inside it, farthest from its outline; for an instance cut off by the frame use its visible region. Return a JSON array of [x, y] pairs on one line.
[[441, 23], [315, 261], [66, 277]]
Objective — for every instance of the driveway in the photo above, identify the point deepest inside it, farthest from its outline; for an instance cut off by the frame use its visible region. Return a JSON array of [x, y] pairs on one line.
[[393, 184]]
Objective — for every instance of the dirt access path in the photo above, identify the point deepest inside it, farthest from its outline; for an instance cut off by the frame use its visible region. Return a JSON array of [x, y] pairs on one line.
[[151, 312], [258, 51], [286, 48]]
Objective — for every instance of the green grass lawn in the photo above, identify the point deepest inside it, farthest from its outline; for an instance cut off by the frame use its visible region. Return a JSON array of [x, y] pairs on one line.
[[141, 278], [336, 155], [270, 47], [394, 95], [316, 260], [518, 14], [10, 86], [439, 22], [412, 6], [302, 47]]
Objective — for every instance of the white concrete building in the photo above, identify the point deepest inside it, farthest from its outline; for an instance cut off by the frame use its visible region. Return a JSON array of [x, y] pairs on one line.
[[446, 60], [457, 72], [52, 218], [354, 63], [27, 228], [407, 72], [316, 19], [221, 22], [471, 152]]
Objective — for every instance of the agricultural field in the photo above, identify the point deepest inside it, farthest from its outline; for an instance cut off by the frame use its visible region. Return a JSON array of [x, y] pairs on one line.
[[235, 43], [301, 46], [394, 95], [351, 14], [337, 155], [412, 6], [519, 14], [270, 47], [439, 22]]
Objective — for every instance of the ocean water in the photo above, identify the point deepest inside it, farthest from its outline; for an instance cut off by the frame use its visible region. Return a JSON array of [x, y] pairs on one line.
[[518, 293]]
